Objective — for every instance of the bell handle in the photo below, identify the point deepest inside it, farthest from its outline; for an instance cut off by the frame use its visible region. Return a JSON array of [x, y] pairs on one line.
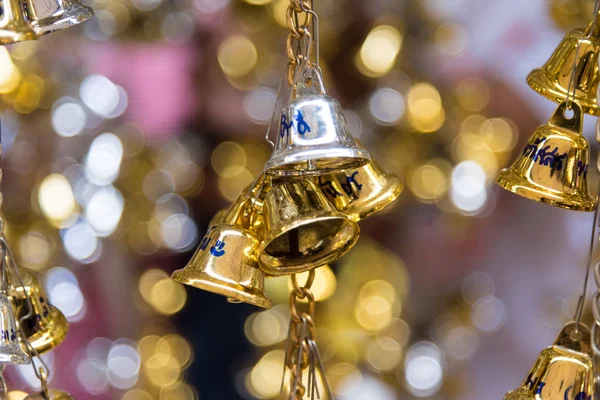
[[575, 337], [559, 118]]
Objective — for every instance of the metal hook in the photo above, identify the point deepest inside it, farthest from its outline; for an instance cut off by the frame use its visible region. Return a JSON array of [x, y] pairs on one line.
[[581, 301], [315, 26]]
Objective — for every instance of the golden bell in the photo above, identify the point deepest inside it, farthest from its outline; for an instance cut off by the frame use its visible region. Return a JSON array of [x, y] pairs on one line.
[[561, 372], [10, 349], [52, 395], [313, 136], [303, 230], [552, 80], [47, 327], [47, 16], [225, 263], [13, 26], [361, 192], [553, 166]]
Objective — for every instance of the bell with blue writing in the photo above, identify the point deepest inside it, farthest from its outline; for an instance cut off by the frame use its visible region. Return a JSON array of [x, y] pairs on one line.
[[361, 192], [303, 229], [10, 349], [226, 263], [45, 327], [553, 166], [13, 26], [313, 136], [580, 49], [563, 371]]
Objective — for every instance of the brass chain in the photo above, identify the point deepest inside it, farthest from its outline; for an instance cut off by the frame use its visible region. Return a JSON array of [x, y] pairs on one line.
[[301, 326], [297, 11]]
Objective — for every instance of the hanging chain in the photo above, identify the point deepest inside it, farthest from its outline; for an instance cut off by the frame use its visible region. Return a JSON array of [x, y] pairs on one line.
[[301, 352], [299, 18]]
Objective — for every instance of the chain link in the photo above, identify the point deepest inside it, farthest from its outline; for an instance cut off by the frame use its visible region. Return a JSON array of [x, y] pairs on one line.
[[298, 10], [301, 327]]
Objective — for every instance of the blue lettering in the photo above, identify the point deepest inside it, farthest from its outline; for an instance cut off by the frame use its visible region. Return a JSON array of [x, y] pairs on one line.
[[328, 188], [351, 183], [204, 243], [217, 249], [285, 126], [302, 126]]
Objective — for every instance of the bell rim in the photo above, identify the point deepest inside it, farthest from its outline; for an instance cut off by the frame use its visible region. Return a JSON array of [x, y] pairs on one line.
[[10, 37], [282, 166], [74, 15], [59, 325], [208, 283], [512, 182], [277, 268], [539, 82], [385, 198], [15, 358]]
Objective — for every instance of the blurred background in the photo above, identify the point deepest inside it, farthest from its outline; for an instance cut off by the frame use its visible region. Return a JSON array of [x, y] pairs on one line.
[[122, 138]]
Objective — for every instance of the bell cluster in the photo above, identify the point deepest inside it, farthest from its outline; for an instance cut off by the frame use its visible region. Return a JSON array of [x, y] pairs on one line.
[[302, 211], [29, 19], [29, 325], [553, 169]]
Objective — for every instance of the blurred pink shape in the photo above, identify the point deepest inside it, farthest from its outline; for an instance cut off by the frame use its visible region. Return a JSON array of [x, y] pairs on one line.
[[157, 78]]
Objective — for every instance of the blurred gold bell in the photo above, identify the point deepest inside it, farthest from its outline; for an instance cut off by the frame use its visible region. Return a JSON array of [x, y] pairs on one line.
[[553, 166], [303, 230], [225, 263], [313, 136], [10, 349], [361, 192], [552, 80], [46, 327], [52, 395], [13, 26], [561, 372]]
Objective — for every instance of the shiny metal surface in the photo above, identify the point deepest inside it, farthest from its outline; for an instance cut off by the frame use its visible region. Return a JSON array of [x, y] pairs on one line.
[[553, 166], [314, 138], [303, 230], [552, 80], [361, 192], [561, 372], [226, 263], [10, 349], [47, 327], [47, 16], [53, 395], [13, 26]]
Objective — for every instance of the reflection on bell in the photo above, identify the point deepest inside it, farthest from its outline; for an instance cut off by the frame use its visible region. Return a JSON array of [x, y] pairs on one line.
[[10, 349], [13, 27], [47, 16], [52, 395], [553, 166], [47, 327], [561, 372], [313, 136], [225, 263], [361, 192], [303, 230], [552, 80]]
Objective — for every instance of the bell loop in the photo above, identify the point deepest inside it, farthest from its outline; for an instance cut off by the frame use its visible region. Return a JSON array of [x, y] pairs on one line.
[[559, 118]]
